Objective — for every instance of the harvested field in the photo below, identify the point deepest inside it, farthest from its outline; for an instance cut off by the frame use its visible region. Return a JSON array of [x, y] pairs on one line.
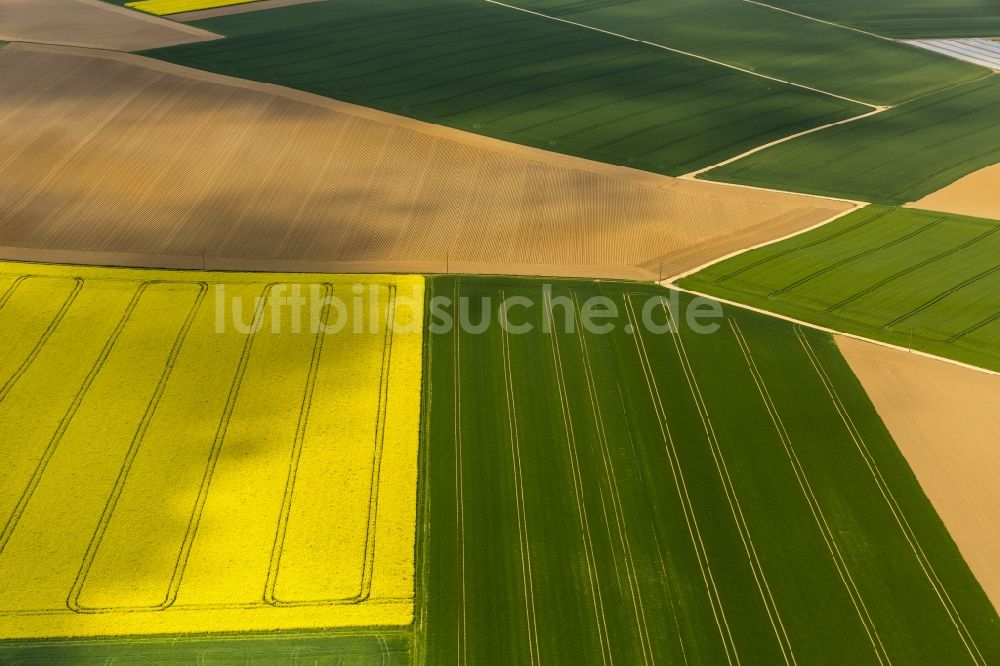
[[913, 278], [944, 419], [977, 194], [160, 477], [142, 162], [508, 74], [242, 8], [91, 24], [635, 496]]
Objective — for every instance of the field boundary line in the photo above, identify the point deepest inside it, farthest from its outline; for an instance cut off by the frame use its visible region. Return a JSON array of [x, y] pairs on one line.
[[682, 52], [757, 149], [111, 504], [595, 582], [732, 497], [50, 449], [815, 507], [522, 518], [680, 487], [616, 501], [832, 331], [819, 20], [46, 334], [897, 511]]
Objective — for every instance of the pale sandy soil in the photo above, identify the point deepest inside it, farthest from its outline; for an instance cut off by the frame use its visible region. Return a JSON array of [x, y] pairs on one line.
[[945, 420], [977, 194], [243, 8], [152, 164], [91, 23]]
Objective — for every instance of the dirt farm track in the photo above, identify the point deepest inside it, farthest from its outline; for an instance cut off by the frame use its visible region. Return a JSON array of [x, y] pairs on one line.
[[115, 158]]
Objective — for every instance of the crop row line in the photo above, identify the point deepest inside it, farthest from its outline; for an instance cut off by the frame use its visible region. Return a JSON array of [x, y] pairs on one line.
[[893, 505], [910, 269], [827, 532], [732, 497], [595, 584], [858, 255], [73, 599], [635, 586], [680, 487], [522, 518]]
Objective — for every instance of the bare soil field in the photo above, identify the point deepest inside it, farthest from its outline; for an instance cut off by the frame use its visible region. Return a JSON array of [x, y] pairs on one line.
[[944, 419], [148, 163], [977, 194], [92, 24]]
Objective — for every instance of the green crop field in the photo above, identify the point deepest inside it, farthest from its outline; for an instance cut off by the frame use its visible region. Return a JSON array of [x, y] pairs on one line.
[[905, 276], [906, 19], [894, 157], [775, 43], [376, 649], [640, 498], [515, 76]]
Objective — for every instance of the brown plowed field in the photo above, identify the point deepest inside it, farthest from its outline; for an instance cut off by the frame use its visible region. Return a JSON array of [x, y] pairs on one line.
[[944, 419], [152, 164], [91, 23]]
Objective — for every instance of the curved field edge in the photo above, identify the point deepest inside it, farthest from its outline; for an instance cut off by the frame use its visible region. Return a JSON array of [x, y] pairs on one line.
[[893, 157], [912, 278], [550, 487]]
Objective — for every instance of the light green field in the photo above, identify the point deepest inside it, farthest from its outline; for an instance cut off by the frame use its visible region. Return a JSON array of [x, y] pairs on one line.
[[651, 498], [894, 157], [909, 277], [774, 43]]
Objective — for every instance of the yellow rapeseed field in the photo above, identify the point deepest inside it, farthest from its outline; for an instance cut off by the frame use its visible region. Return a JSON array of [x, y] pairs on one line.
[[164, 7], [191, 451]]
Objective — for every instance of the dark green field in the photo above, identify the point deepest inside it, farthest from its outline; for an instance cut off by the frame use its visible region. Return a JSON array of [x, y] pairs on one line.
[[894, 157], [523, 78], [775, 43], [909, 277], [906, 19], [655, 498]]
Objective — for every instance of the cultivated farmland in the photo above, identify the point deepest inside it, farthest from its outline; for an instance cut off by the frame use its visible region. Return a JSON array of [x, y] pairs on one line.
[[631, 498], [164, 7], [893, 157], [774, 43], [910, 277], [92, 24], [160, 477], [125, 160], [943, 417], [906, 18], [977, 194], [511, 75]]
